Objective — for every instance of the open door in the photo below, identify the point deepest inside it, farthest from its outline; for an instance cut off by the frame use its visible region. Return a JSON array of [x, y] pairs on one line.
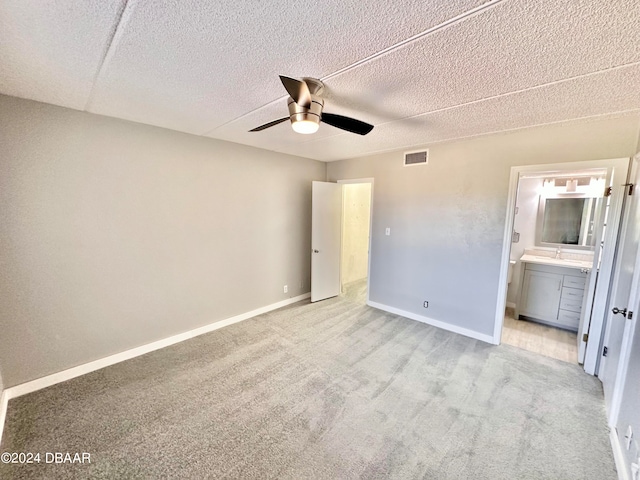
[[622, 298], [591, 282], [326, 220]]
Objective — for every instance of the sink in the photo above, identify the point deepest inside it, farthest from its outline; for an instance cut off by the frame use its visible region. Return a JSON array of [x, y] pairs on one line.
[[560, 261], [565, 260]]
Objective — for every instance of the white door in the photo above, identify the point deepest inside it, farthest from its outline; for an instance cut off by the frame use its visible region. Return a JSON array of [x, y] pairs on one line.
[[606, 269], [326, 220], [621, 293]]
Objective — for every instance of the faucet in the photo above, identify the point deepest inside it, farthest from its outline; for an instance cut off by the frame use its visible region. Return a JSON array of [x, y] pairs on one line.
[[558, 252]]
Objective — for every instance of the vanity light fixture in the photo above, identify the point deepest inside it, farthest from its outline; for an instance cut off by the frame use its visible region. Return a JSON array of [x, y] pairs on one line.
[[548, 185], [596, 186]]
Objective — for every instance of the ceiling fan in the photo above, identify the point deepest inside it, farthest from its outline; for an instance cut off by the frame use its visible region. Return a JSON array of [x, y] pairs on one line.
[[305, 109]]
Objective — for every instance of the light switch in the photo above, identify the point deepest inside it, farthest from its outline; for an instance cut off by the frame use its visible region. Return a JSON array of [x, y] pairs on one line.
[[387, 231]]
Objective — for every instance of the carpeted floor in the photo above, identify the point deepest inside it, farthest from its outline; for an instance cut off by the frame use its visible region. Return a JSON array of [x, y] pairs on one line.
[[356, 291], [333, 390]]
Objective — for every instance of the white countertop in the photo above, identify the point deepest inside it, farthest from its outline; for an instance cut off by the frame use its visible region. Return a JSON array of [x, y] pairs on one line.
[[558, 262]]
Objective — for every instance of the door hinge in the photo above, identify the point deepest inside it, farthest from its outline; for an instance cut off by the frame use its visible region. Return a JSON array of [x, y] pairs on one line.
[[631, 187], [629, 315], [607, 192], [585, 337], [604, 351]]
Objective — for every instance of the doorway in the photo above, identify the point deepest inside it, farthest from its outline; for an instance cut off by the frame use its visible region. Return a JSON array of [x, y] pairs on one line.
[[341, 239], [355, 239], [557, 218], [559, 287]]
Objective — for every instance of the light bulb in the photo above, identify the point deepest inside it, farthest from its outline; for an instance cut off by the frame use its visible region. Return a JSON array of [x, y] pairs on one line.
[[305, 126]]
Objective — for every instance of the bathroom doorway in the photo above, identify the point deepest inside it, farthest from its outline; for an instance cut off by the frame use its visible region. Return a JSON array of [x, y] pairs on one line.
[[559, 244], [357, 196], [542, 314]]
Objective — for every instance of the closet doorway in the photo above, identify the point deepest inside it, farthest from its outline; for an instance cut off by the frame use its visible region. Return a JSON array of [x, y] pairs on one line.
[[357, 198]]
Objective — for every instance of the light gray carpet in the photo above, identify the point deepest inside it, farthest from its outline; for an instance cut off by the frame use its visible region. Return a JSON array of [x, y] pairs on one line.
[[334, 390], [356, 291]]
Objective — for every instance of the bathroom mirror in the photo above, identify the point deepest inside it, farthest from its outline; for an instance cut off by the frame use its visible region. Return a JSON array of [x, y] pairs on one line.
[[568, 220]]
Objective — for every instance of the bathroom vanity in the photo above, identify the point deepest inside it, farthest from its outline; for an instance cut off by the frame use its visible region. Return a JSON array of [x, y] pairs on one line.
[[552, 290]]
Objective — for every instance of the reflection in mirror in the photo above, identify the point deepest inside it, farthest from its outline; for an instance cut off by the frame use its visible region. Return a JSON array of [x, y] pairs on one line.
[[567, 221]]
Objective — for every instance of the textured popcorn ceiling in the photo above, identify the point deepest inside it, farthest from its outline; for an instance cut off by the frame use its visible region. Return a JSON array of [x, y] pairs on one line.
[[420, 71]]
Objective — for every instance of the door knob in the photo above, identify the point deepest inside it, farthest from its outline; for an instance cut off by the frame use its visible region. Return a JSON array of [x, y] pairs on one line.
[[617, 311]]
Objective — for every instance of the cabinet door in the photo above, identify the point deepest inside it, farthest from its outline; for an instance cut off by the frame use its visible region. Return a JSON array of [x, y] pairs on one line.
[[541, 295]]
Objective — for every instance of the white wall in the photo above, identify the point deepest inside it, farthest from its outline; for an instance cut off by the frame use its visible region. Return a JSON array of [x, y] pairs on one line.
[[355, 231], [524, 223], [447, 218], [115, 234]]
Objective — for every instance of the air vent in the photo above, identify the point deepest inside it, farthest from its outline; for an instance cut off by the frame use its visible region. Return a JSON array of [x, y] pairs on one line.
[[416, 158]]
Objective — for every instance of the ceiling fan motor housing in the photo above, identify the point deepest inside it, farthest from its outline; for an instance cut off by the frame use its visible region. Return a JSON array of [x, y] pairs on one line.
[[313, 113]]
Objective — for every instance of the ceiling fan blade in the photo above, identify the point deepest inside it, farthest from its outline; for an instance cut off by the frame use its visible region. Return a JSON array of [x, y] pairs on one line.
[[270, 124], [298, 90], [346, 123]]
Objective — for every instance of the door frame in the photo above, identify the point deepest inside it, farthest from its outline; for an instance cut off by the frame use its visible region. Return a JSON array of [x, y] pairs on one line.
[[370, 253], [618, 167]]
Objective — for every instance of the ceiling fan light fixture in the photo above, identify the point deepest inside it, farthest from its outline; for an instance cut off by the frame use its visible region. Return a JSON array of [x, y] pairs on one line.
[[305, 120], [305, 127]]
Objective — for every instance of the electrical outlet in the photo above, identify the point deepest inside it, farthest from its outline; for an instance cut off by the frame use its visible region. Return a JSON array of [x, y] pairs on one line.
[[387, 231], [425, 304], [286, 289]]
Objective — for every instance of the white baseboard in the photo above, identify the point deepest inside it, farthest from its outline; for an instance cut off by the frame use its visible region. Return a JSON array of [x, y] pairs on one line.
[[436, 323], [621, 466], [63, 376]]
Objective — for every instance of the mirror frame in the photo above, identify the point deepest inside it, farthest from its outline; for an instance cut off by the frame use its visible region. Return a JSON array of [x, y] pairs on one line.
[[540, 221]]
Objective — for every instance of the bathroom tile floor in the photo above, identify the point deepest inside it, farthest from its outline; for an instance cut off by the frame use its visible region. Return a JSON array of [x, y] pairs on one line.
[[542, 339]]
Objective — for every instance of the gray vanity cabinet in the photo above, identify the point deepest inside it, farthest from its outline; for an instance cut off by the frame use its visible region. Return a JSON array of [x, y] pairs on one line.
[[541, 292], [552, 295]]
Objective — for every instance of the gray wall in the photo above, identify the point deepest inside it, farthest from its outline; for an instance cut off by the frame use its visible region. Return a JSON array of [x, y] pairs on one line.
[[447, 218], [116, 234]]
